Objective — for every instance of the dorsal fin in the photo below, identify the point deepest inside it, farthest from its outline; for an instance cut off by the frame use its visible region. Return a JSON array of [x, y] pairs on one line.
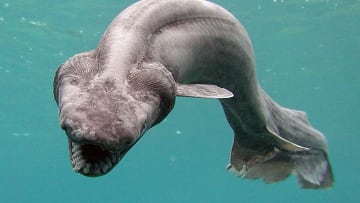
[[300, 115]]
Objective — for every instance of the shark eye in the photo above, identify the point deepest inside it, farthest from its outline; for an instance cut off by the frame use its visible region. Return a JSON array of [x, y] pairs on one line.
[[74, 81]]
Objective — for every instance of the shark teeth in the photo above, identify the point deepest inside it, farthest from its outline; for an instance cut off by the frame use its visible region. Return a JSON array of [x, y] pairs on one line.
[[91, 160]]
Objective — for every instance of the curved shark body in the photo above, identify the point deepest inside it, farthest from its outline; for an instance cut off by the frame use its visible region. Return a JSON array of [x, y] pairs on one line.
[[156, 50]]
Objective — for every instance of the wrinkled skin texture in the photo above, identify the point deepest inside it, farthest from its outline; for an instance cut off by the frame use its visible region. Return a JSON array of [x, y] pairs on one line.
[[106, 118], [156, 50]]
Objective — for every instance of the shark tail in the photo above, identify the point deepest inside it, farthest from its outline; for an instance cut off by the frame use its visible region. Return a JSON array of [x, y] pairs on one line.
[[312, 167], [288, 144]]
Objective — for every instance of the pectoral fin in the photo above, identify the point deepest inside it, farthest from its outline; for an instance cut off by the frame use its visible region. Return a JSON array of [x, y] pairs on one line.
[[202, 91]]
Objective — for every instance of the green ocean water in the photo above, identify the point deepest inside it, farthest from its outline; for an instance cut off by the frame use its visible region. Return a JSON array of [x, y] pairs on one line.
[[307, 53]]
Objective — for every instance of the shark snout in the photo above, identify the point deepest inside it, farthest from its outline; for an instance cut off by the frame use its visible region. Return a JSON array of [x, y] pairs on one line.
[[113, 140]]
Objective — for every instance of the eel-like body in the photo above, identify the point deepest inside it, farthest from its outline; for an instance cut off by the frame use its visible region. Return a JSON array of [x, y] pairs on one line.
[[156, 50]]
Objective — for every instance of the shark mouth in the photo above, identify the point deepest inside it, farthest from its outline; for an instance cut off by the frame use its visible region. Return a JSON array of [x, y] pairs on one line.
[[91, 160]]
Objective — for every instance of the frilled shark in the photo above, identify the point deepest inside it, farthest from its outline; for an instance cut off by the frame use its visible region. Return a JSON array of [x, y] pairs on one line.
[[156, 50]]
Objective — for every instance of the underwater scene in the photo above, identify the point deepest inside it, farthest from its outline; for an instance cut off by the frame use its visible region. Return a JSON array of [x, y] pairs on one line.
[[307, 54]]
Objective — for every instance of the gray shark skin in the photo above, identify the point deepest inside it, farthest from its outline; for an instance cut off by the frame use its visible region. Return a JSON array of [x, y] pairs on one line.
[[156, 50]]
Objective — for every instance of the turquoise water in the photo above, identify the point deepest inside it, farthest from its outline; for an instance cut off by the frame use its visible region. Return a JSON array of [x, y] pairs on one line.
[[307, 55]]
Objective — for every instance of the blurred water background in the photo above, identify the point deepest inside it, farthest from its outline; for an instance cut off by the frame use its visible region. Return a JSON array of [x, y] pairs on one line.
[[307, 56]]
